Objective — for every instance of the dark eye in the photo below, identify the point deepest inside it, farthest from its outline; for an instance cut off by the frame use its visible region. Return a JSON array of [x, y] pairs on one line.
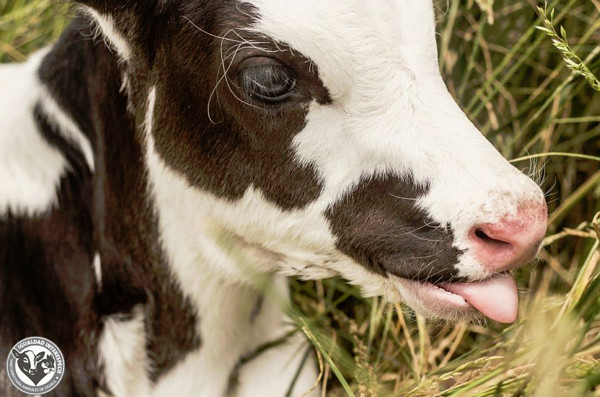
[[267, 80]]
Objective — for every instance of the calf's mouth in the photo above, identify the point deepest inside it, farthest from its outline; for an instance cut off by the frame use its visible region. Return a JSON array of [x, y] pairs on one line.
[[495, 297]]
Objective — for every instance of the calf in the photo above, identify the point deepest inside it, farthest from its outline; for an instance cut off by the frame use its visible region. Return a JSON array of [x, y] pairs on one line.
[[163, 156]]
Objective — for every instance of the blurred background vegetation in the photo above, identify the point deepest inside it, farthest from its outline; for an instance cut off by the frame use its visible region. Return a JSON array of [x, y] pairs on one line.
[[532, 93]]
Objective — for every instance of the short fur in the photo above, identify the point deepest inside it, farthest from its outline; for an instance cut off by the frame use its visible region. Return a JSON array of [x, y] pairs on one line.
[[146, 191]]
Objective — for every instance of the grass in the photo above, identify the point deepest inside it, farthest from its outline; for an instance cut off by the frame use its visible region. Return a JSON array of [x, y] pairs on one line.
[[26, 25], [527, 76]]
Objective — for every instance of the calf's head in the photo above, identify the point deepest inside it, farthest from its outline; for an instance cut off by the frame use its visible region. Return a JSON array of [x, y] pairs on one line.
[[319, 137]]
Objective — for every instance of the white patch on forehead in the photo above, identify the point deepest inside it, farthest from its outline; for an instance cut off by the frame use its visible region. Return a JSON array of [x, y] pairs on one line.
[[108, 30], [349, 38], [30, 168]]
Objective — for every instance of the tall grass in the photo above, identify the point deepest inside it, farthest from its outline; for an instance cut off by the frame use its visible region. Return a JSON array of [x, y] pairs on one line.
[[26, 25], [533, 92]]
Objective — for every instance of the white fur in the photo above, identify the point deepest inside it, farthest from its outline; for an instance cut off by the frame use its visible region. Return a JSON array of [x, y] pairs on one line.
[[122, 350], [97, 264], [30, 168], [271, 373], [115, 39], [227, 335], [66, 126]]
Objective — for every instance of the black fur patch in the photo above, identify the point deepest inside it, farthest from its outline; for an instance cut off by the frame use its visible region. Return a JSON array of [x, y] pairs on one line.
[[379, 225], [48, 286], [133, 266], [250, 144]]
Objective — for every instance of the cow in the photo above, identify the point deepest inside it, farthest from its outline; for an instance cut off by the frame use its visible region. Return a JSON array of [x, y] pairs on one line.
[[167, 164]]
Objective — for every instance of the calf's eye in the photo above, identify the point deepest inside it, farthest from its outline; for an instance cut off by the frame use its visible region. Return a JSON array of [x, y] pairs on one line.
[[267, 80]]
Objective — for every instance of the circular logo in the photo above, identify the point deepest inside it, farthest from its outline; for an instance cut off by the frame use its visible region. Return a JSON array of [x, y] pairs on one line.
[[35, 365]]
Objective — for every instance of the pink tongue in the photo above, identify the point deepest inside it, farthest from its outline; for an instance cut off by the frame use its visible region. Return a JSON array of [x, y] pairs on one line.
[[496, 297]]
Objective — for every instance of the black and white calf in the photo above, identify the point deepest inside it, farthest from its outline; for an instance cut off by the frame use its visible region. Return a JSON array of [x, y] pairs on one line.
[[164, 154]]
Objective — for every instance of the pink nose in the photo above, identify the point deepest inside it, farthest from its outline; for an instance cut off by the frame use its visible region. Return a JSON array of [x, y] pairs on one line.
[[511, 242]]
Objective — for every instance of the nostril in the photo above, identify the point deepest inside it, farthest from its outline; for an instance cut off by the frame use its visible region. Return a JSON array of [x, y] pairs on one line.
[[486, 239], [481, 235], [508, 242]]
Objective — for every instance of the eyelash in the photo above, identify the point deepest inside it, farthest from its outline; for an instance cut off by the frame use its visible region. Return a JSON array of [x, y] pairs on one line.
[[268, 82]]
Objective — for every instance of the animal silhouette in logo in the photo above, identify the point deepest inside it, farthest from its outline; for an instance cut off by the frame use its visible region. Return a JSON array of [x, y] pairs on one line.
[[34, 366]]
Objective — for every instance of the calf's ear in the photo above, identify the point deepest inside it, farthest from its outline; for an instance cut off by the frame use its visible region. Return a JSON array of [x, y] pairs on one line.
[[126, 24], [16, 354], [129, 26]]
